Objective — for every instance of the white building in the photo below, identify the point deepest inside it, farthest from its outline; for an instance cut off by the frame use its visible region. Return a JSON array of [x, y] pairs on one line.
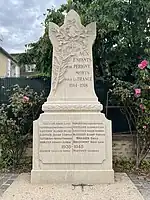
[[8, 65]]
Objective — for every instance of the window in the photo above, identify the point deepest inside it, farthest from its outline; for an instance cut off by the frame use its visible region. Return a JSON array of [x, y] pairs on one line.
[[30, 68]]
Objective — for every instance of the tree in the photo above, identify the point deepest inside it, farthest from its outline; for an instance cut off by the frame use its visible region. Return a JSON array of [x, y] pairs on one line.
[[123, 31], [41, 51]]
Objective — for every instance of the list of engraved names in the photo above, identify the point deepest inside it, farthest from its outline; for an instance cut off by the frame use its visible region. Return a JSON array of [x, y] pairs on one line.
[[72, 137]]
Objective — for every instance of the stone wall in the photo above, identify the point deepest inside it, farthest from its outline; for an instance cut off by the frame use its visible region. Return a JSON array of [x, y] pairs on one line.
[[123, 146]]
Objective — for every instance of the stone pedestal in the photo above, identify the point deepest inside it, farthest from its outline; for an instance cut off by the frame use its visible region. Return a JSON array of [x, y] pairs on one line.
[[81, 154], [72, 139]]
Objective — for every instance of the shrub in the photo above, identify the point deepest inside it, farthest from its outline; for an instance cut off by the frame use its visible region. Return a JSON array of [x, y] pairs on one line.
[[135, 99], [16, 119]]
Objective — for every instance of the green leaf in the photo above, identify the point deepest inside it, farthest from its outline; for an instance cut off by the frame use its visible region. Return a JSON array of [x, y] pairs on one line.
[[148, 66]]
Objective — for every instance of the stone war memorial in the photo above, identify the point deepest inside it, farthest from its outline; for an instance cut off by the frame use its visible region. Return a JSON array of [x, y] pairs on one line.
[[72, 139]]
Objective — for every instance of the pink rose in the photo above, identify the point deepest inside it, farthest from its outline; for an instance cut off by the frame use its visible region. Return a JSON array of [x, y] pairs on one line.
[[137, 92], [142, 107], [143, 64], [144, 127], [25, 98]]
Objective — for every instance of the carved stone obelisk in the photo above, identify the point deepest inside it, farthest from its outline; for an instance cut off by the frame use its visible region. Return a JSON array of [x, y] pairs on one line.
[[72, 139]]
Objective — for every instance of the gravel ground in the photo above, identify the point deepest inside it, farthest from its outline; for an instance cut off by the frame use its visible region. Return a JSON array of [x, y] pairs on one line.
[[141, 182], [122, 189]]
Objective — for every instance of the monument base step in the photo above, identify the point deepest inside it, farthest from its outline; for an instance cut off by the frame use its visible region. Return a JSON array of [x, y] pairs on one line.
[[72, 176], [121, 189]]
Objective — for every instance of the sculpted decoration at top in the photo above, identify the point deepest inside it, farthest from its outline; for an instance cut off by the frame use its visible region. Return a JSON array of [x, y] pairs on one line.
[[69, 40]]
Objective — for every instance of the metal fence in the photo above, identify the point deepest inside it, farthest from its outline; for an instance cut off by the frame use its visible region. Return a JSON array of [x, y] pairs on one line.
[[119, 122]]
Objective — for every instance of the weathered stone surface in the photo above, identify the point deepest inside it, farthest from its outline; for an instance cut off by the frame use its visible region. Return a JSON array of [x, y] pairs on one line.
[[72, 139]]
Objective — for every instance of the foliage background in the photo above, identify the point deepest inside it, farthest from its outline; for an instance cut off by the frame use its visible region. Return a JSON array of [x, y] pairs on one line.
[[123, 41], [16, 124], [123, 36]]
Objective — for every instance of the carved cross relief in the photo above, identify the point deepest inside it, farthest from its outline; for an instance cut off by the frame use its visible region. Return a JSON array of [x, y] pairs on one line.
[[70, 41]]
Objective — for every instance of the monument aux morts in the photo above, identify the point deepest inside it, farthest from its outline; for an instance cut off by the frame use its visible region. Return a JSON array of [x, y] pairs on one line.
[[72, 139]]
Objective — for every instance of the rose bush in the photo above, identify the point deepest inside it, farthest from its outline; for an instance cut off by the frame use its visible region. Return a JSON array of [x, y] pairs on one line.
[[16, 119], [135, 101]]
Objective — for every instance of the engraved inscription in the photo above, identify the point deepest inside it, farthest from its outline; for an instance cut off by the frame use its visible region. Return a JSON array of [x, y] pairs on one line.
[[82, 72], [72, 137]]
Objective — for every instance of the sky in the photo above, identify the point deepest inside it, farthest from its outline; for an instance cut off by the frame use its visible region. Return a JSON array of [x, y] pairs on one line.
[[20, 22]]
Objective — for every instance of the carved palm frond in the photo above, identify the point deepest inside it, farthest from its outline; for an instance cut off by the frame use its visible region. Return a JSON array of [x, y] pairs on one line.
[[56, 69], [60, 68]]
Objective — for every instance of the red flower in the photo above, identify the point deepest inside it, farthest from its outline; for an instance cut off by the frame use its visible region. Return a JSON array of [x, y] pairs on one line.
[[143, 64]]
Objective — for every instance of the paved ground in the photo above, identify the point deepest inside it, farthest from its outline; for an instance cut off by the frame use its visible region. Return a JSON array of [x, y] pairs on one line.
[[6, 180], [142, 183]]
